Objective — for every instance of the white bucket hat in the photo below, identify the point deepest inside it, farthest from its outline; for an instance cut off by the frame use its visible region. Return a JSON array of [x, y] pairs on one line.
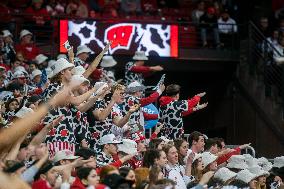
[[40, 58], [83, 49], [278, 162], [109, 139], [108, 62], [21, 69], [128, 146], [100, 86], [61, 64], [49, 73], [258, 171], [78, 80], [237, 162], [208, 158], [140, 55], [64, 154], [51, 63], [19, 74], [61, 56], [135, 86], [245, 176], [35, 73], [24, 33], [224, 174], [264, 163], [79, 70], [6, 33], [23, 112]]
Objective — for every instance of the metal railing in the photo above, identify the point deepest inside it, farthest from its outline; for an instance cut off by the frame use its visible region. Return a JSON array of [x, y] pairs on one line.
[[262, 63]]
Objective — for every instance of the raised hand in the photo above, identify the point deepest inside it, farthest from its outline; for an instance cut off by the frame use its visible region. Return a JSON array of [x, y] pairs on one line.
[[244, 146], [159, 127], [134, 108], [200, 106], [55, 122], [157, 68], [201, 94], [162, 87]]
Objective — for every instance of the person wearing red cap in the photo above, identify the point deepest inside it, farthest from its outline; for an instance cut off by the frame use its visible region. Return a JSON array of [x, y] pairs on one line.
[[208, 23]]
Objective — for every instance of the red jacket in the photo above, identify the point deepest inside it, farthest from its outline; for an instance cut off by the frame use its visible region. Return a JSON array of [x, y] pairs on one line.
[[41, 184], [227, 156], [37, 16], [145, 70]]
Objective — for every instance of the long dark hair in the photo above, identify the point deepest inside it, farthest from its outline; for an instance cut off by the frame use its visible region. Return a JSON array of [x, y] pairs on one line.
[[150, 156]]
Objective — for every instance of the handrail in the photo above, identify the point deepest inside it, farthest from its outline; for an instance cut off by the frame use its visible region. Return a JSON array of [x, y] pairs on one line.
[[263, 37], [262, 114]]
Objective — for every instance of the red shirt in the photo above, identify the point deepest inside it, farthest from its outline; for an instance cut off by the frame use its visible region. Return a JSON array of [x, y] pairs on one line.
[[41, 184], [227, 156], [30, 51]]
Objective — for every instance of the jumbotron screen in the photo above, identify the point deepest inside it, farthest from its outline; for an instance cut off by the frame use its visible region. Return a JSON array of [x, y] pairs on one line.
[[154, 39]]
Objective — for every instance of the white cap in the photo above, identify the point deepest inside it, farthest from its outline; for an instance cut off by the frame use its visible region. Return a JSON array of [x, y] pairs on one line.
[[237, 162], [128, 146], [278, 162], [35, 73], [258, 171], [250, 161], [109, 139], [40, 58], [61, 56], [78, 80], [135, 86], [224, 174], [264, 163], [108, 61], [79, 70], [83, 49], [24, 33], [64, 154], [208, 158], [19, 74], [140, 55], [60, 65], [100, 86], [245, 176], [23, 112], [6, 33], [51, 63]]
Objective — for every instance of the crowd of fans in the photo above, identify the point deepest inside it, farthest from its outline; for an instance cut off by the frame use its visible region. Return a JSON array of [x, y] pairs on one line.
[[67, 124]]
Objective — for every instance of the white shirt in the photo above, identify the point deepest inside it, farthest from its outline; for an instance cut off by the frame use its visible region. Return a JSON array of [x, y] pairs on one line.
[[228, 26], [177, 174], [278, 54]]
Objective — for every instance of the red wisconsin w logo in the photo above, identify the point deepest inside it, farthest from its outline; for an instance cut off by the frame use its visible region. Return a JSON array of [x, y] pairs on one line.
[[120, 35]]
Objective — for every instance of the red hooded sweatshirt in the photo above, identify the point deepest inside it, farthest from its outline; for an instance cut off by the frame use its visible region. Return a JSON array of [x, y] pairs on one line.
[[192, 102]]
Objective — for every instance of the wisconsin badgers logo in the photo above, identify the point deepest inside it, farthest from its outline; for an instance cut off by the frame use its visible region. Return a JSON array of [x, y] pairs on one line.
[[120, 35]]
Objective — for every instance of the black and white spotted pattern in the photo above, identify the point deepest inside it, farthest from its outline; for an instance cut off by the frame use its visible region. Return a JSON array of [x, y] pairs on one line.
[[103, 159], [132, 76], [65, 131], [171, 116]]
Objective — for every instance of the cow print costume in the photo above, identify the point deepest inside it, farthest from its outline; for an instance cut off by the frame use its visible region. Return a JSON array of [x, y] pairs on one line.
[[100, 128], [171, 116], [61, 137], [103, 159], [82, 126], [132, 76]]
